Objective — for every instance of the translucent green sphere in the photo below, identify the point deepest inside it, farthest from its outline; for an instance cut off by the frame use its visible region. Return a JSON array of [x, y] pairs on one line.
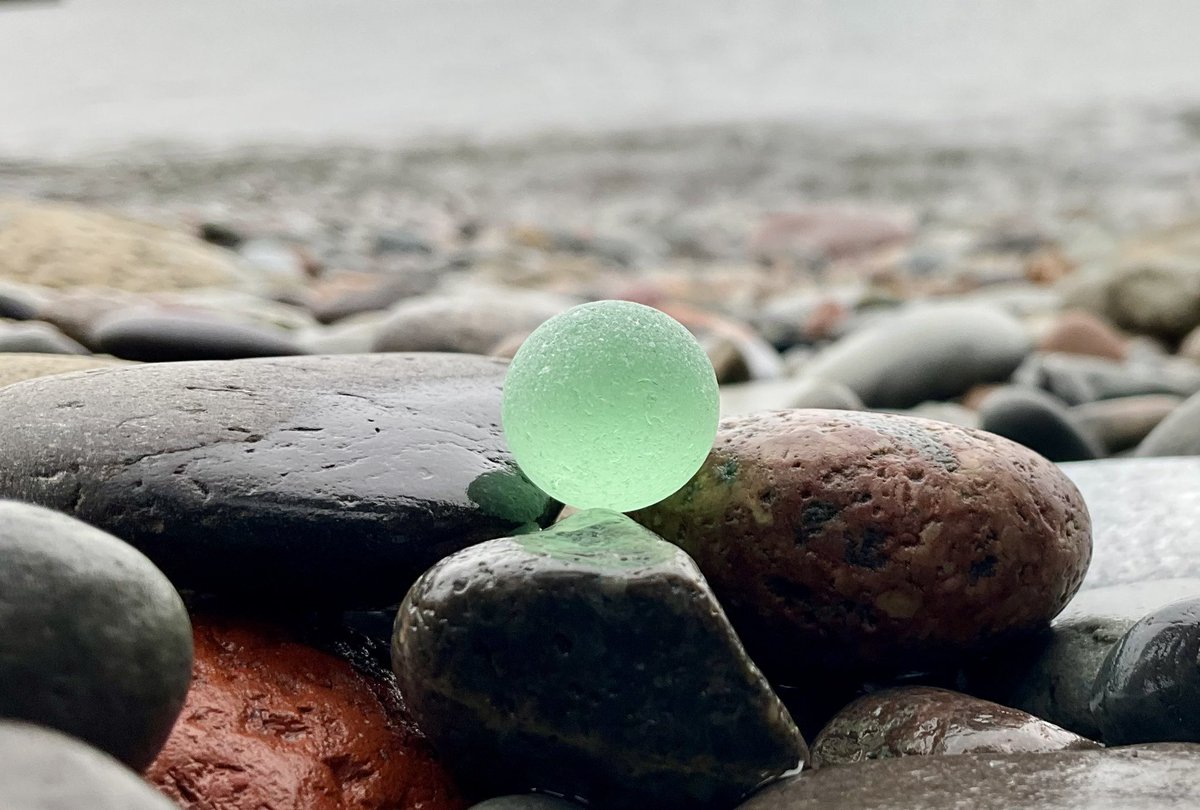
[[610, 405]]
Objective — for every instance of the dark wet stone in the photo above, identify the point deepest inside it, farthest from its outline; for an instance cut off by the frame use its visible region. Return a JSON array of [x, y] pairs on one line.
[[1148, 688], [42, 769], [837, 539], [172, 337], [311, 480], [589, 660], [528, 801], [926, 352], [94, 641], [1176, 435], [1145, 517], [1076, 379], [1039, 421], [33, 337], [923, 721], [462, 323], [221, 235], [1151, 777], [1052, 676], [1122, 423]]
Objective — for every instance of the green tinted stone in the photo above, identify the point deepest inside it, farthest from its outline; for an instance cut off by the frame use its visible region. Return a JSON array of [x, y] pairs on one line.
[[610, 405]]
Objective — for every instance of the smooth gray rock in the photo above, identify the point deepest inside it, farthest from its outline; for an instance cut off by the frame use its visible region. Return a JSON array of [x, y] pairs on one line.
[[174, 337], [465, 323], [94, 641], [1148, 688], [1150, 777], [42, 769], [1052, 676], [1076, 378], [331, 481], [589, 660], [1122, 423], [1145, 518], [1039, 421], [771, 395], [933, 351], [35, 337], [1176, 435]]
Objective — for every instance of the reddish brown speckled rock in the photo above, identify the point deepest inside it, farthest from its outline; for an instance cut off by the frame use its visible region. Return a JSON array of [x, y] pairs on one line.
[[866, 541], [271, 724], [921, 720]]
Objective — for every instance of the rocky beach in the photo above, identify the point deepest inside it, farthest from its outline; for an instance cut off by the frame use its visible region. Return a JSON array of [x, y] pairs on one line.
[[264, 544]]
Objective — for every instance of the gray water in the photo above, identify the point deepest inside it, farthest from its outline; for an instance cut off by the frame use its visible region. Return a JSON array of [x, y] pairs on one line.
[[87, 75]]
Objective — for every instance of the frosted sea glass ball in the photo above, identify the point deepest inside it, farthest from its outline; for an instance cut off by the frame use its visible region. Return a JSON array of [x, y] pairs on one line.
[[610, 405]]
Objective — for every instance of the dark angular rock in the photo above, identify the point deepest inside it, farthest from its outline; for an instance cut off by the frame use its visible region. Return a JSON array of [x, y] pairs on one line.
[[1076, 379], [94, 641], [1150, 777], [1145, 517], [844, 540], [310, 481], [1148, 688], [924, 721], [1039, 421], [926, 352], [41, 769], [589, 660], [174, 337]]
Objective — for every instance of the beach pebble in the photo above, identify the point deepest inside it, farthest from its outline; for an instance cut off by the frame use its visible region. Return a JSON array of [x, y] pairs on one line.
[[589, 660], [846, 540], [1039, 421], [1122, 423], [166, 336], [317, 481], [94, 641]]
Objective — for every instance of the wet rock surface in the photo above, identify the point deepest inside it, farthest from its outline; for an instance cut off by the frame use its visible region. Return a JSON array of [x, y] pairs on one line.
[[42, 769], [332, 480], [507, 654], [94, 641], [1148, 688], [924, 721], [926, 352], [272, 724], [856, 540], [1151, 777]]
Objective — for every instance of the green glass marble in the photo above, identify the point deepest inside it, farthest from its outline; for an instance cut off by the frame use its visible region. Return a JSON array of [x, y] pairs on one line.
[[610, 405]]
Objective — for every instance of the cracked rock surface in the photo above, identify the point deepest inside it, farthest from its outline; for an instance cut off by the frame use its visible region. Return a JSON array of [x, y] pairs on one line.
[[866, 541], [331, 481]]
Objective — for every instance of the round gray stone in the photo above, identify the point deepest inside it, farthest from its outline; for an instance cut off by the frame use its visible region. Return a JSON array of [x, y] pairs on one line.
[[94, 641], [1039, 421]]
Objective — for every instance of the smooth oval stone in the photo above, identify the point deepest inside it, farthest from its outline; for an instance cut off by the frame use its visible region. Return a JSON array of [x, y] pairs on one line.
[[41, 769], [1148, 688], [924, 721], [1080, 332], [1076, 379], [771, 395], [331, 481], [273, 723], [925, 352], [35, 337], [1149, 777], [838, 539], [1176, 435], [589, 660], [610, 405], [94, 641], [1122, 423], [1145, 517], [1052, 676], [1039, 421], [465, 322], [172, 337]]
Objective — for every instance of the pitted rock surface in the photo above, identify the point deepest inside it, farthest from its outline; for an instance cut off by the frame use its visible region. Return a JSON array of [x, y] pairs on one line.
[[839, 539], [1148, 777], [271, 724], [331, 481], [922, 721]]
